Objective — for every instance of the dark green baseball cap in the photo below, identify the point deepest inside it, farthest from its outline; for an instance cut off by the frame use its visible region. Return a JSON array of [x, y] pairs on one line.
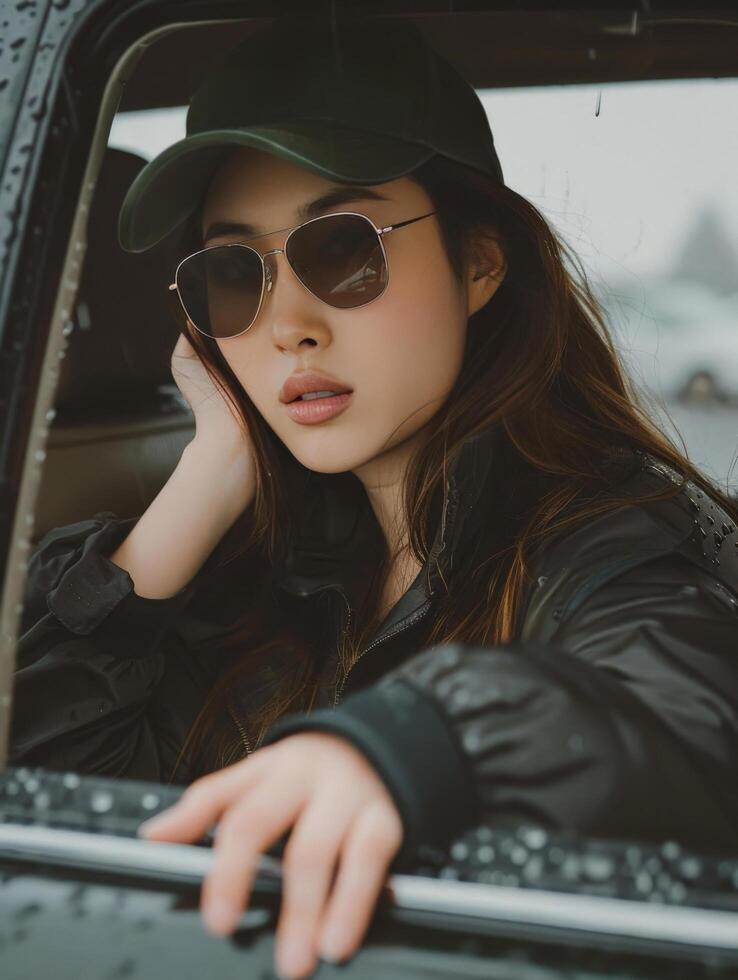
[[357, 99]]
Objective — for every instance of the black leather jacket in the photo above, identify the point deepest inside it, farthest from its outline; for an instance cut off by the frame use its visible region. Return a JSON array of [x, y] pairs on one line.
[[614, 712]]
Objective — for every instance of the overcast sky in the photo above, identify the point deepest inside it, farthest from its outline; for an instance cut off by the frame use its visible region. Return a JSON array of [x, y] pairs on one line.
[[621, 186]]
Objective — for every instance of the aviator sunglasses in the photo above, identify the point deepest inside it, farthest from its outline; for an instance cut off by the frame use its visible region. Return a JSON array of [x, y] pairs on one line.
[[340, 258]]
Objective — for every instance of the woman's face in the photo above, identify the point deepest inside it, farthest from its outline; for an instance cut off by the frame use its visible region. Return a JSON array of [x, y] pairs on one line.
[[401, 353]]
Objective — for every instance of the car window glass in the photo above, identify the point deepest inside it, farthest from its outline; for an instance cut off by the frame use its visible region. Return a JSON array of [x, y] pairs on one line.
[[639, 178]]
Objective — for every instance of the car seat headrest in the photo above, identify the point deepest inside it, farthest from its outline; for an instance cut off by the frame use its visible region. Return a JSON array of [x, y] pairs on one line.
[[124, 331]]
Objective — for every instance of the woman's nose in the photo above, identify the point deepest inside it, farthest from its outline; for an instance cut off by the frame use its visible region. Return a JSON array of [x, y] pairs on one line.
[[293, 319], [294, 293]]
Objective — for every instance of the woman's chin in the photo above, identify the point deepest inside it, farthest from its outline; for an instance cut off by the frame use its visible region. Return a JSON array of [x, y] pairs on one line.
[[324, 459]]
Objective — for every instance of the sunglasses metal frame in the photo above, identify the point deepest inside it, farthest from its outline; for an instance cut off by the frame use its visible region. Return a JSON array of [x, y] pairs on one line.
[[266, 275]]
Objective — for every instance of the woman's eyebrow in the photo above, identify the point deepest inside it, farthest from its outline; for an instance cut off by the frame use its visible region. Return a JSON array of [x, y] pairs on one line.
[[339, 195]]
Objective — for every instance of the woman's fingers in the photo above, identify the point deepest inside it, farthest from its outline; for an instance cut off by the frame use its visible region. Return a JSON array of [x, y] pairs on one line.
[[347, 813], [371, 844], [308, 864], [246, 830], [202, 803]]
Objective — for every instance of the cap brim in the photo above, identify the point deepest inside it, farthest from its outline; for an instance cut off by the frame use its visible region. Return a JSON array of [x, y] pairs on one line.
[[171, 186]]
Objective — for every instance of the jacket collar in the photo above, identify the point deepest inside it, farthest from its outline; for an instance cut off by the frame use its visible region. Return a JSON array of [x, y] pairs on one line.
[[337, 539]]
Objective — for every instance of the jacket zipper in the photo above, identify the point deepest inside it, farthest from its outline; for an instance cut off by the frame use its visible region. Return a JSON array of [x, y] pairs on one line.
[[400, 628], [403, 624], [241, 730], [346, 629]]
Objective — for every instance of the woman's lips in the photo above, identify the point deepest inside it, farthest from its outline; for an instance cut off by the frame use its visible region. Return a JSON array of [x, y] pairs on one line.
[[318, 409]]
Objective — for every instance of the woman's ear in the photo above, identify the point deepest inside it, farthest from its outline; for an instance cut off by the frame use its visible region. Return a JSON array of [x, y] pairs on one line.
[[485, 273]]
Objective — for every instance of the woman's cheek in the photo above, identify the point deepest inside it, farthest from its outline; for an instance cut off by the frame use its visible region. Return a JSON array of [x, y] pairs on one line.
[[431, 324]]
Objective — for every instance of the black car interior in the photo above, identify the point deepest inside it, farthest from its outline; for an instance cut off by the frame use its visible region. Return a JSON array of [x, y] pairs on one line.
[[120, 424]]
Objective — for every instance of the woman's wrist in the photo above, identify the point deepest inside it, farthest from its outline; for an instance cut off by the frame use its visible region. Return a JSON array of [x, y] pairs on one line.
[[231, 474], [208, 490], [231, 463]]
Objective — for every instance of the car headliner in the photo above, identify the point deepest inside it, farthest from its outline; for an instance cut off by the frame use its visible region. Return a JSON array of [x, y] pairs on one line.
[[491, 48]]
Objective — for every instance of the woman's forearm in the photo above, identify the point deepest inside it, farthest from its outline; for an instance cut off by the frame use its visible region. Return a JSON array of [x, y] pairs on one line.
[[207, 491]]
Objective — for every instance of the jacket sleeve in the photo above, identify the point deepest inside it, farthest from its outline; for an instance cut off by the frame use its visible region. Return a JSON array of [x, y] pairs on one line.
[[93, 656], [625, 726]]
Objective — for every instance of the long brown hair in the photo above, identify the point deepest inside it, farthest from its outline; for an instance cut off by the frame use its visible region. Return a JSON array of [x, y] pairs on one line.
[[541, 367]]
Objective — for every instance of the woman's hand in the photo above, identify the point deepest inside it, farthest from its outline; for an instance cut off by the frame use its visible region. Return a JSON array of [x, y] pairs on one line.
[[339, 809], [215, 416]]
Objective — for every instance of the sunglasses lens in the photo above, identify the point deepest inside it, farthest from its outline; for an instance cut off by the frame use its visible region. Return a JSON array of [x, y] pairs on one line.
[[340, 259], [221, 288]]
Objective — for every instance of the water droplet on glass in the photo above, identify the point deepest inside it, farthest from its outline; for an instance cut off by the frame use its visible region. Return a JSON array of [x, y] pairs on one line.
[[533, 837], [471, 741], [575, 743], [671, 849], [149, 801], [101, 801], [519, 855], [461, 697]]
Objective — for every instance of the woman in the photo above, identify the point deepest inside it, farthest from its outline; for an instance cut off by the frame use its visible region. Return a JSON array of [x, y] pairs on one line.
[[467, 580]]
